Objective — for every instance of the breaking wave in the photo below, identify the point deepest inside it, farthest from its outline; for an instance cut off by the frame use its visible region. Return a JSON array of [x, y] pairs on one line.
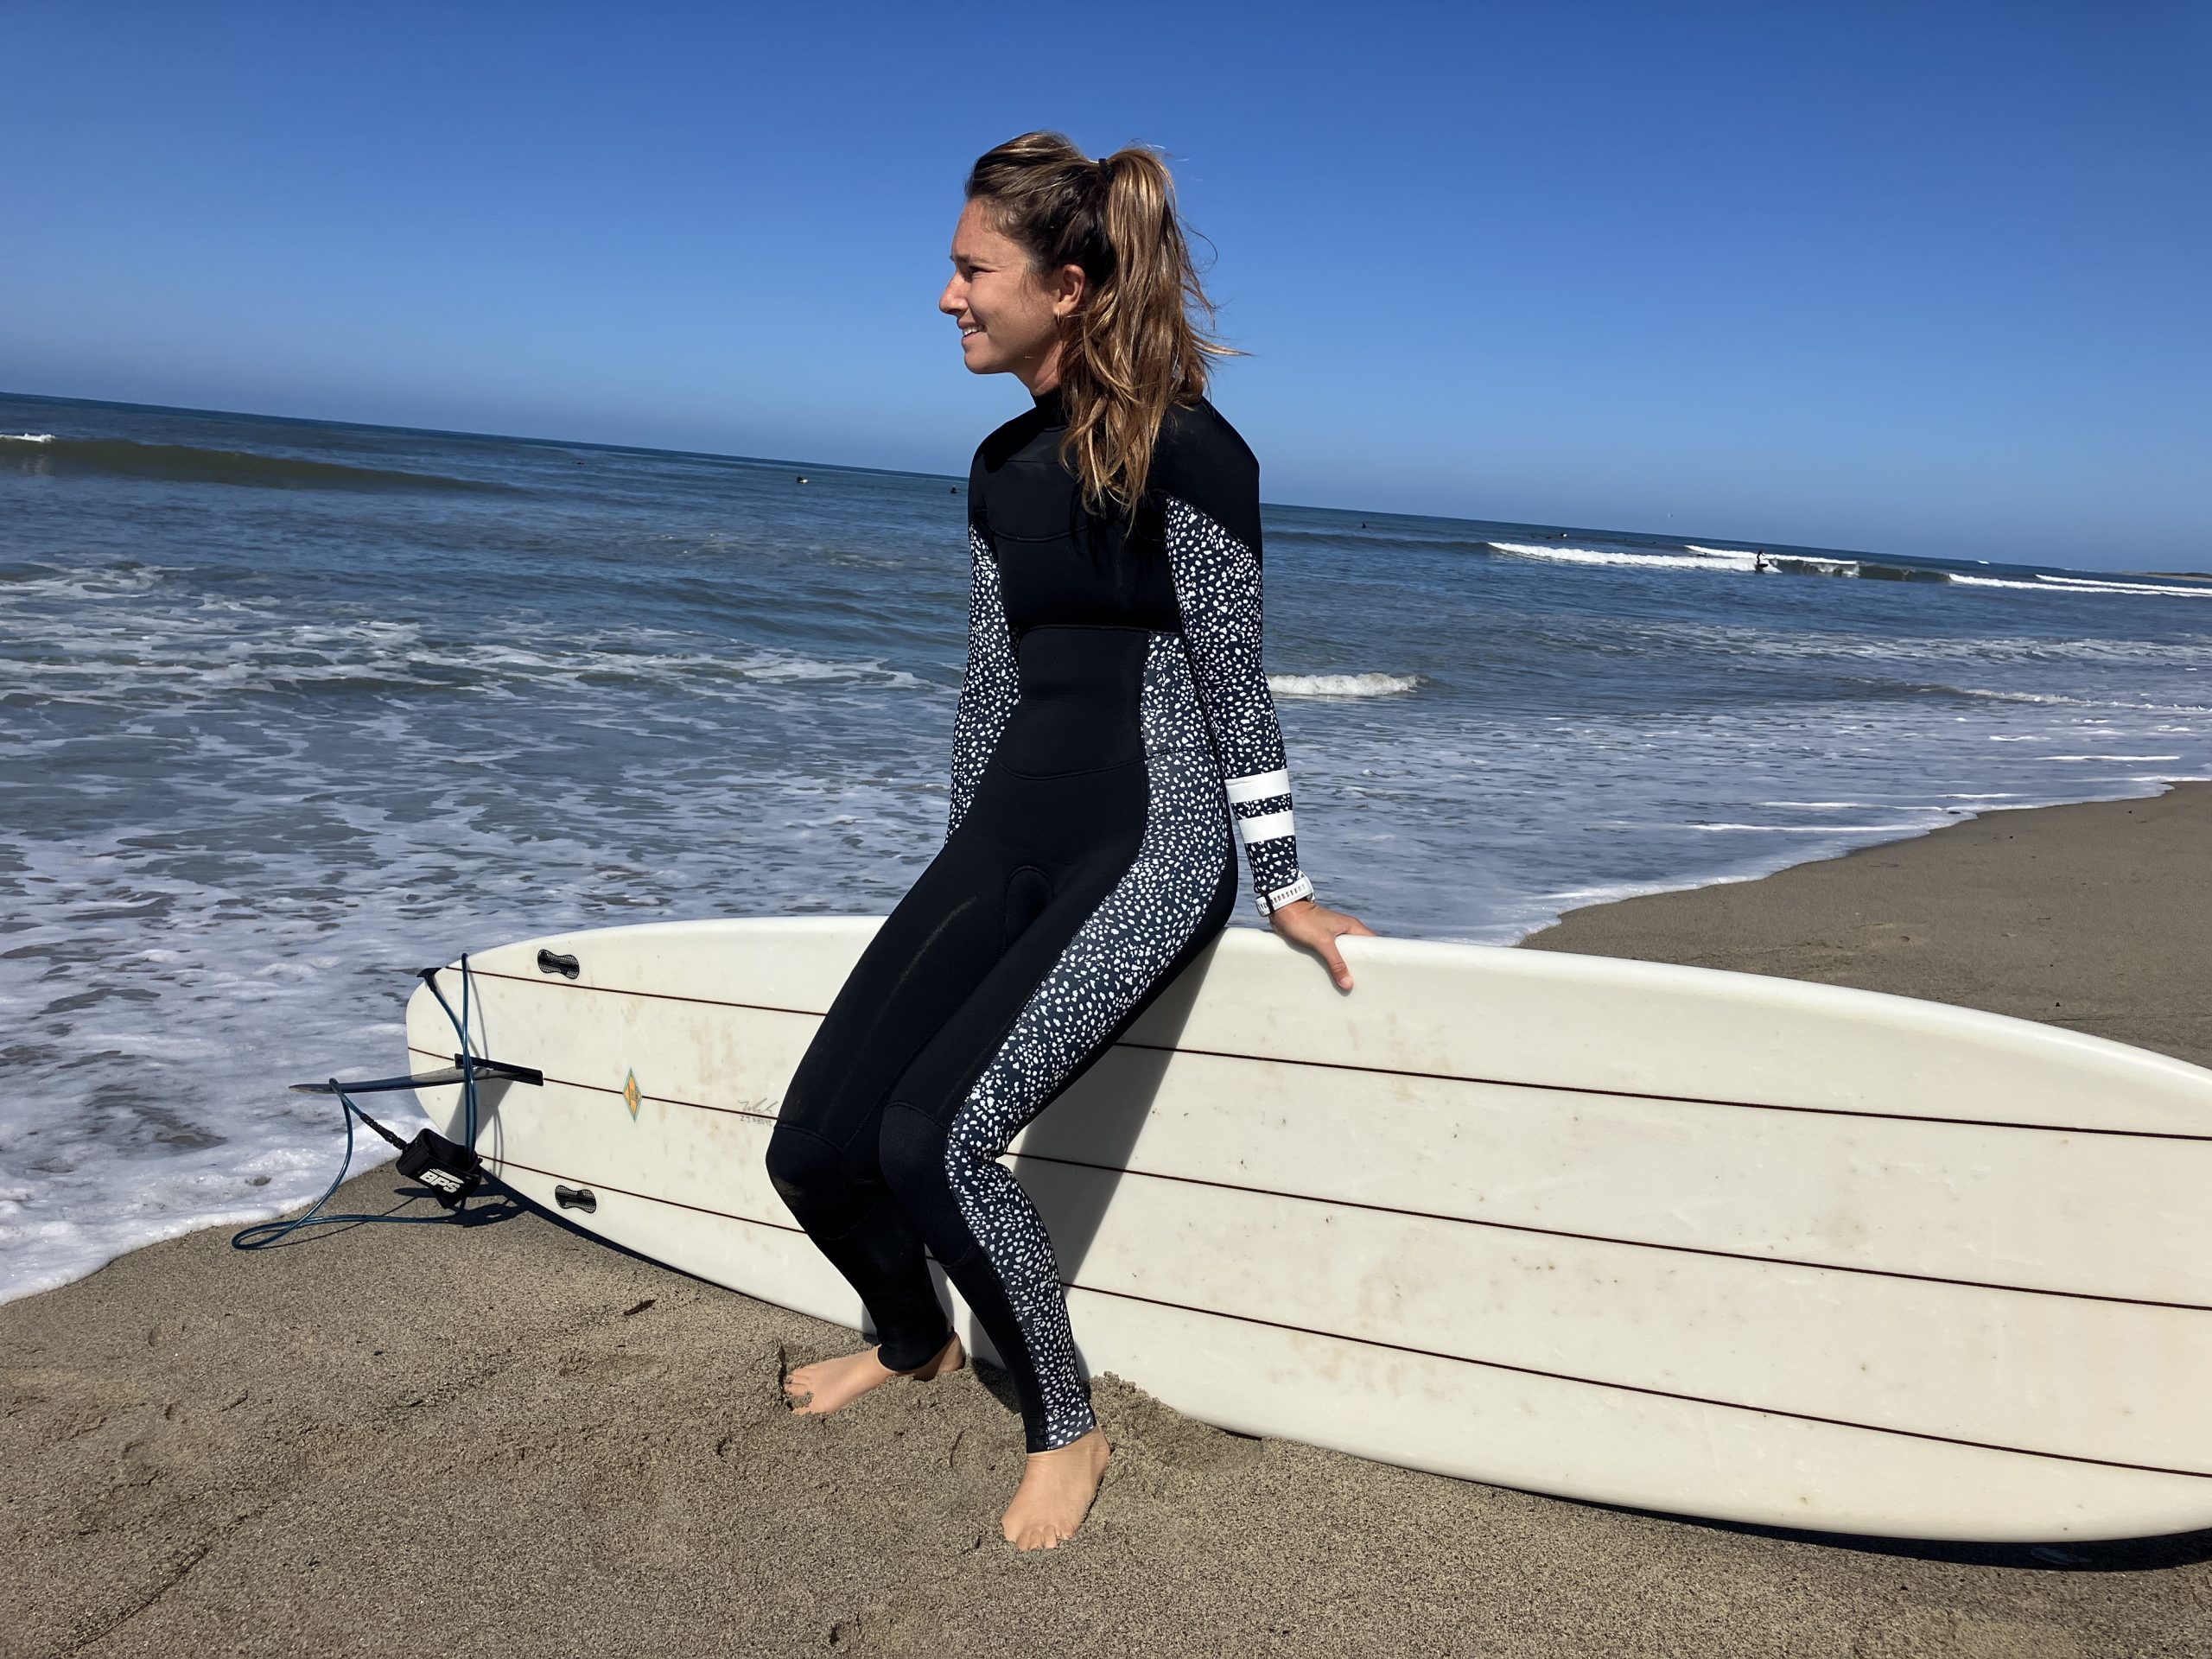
[[1341, 685], [43, 455]]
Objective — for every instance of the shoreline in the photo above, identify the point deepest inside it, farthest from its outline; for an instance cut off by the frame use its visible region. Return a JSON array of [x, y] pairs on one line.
[[1973, 912], [529, 1441], [1754, 871]]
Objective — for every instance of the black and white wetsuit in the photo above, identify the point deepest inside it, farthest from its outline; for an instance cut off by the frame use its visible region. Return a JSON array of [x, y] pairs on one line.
[[1114, 737]]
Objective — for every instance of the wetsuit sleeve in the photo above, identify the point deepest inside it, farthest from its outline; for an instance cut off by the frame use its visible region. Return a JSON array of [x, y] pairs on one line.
[[991, 682], [1218, 590]]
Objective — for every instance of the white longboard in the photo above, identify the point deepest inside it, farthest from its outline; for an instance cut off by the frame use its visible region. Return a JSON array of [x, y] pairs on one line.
[[1703, 1242]]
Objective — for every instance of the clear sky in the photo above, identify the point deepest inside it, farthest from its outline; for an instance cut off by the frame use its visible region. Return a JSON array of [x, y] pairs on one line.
[[1930, 277]]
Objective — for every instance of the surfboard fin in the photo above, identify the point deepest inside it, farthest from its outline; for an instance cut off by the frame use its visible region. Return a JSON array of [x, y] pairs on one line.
[[493, 1070]]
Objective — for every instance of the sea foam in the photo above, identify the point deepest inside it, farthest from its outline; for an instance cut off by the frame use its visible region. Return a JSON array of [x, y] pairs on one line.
[[2041, 584], [1564, 554], [1341, 685]]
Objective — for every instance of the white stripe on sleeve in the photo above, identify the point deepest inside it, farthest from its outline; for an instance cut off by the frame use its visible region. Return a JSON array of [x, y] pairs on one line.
[[1268, 826], [1242, 792]]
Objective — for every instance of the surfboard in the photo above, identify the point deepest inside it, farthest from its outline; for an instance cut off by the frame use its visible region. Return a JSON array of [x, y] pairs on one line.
[[1701, 1242]]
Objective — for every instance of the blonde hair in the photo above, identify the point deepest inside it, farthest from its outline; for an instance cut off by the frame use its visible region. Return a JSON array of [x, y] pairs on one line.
[[1138, 344]]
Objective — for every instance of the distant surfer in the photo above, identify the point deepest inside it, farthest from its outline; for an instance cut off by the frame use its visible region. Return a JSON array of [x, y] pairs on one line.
[[1115, 740], [1758, 563]]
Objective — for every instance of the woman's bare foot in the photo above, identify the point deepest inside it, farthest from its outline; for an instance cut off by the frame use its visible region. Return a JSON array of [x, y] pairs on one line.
[[1055, 1493], [828, 1384]]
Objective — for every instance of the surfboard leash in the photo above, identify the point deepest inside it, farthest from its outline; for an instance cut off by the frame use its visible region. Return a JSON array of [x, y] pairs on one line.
[[451, 1170]]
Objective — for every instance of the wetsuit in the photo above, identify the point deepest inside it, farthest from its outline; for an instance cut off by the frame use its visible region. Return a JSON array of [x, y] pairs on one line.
[[1114, 735]]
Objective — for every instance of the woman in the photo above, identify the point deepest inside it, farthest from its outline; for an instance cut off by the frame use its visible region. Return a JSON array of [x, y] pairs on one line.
[[1113, 726]]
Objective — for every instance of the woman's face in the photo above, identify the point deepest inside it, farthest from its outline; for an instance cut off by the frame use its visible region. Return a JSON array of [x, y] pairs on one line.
[[1009, 318]]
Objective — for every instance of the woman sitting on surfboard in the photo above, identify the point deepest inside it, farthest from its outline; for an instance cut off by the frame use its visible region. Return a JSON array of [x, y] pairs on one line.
[[1114, 739]]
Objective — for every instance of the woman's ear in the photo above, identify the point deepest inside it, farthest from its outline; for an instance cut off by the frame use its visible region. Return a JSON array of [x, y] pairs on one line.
[[1068, 290]]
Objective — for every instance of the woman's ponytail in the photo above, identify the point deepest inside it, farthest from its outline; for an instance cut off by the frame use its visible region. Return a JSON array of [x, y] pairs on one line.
[[1139, 344]]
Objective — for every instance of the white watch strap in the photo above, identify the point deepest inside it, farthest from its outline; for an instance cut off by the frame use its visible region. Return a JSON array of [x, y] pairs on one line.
[[1271, 902]]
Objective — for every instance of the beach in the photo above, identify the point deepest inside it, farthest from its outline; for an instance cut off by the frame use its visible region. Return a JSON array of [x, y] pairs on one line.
[[509, 1439]]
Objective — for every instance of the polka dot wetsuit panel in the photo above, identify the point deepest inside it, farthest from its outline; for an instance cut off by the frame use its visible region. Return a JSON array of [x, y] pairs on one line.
[[1115, 740]]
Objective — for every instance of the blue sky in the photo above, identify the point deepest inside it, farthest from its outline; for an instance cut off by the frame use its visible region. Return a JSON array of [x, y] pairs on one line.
[[1925, 278]]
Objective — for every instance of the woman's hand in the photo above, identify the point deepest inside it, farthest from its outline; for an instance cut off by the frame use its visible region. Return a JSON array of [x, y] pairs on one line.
[[1317, 928]]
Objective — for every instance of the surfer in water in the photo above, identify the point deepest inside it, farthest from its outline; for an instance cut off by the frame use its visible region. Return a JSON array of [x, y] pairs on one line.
[[1115, 742]]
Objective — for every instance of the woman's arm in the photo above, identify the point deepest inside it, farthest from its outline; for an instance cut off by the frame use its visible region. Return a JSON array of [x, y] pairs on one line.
[[1218, 590], [991, 682]]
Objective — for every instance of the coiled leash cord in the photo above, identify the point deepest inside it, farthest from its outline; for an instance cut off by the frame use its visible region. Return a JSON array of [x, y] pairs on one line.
[[451, 1171]]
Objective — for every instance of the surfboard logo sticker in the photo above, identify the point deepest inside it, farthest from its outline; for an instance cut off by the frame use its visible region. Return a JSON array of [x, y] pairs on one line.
[[630, 1095]]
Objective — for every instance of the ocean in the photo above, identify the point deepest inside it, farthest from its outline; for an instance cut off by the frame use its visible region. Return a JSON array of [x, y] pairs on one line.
[[288, 709]]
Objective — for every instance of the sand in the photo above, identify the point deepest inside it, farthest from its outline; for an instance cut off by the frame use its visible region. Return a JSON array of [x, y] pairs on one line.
[[511, 1440]]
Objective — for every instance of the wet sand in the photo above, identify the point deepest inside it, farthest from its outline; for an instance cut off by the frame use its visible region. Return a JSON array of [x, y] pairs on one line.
[[509, 1440]]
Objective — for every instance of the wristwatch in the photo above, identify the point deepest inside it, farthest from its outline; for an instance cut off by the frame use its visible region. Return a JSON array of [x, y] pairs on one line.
[[1269, 903]]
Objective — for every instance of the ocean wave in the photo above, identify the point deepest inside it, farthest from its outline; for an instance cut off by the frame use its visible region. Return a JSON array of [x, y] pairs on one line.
[[2082, 585], [1732, 561], [2188, 652], [1564, 554], [2052, 697], [1900, 573], [1912, 829], [132, 642], [381, 668], [1341, 685], [26, 438], [1795, 564], [2114, 585], [1964, 581], [49, 456]]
